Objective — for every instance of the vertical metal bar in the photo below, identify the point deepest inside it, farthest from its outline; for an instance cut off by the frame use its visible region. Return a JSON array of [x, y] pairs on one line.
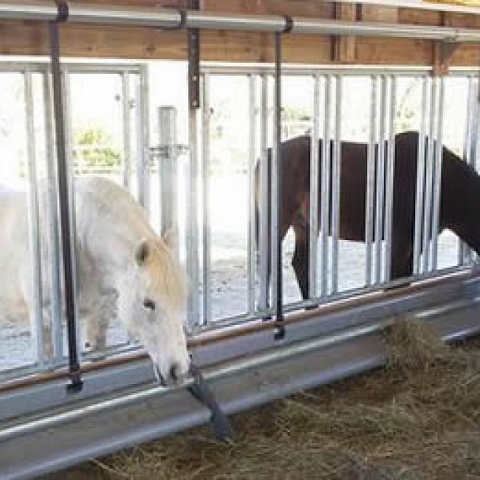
[[264, 200], [325, 189], [167, 169], [420, 185], [370, 180], [314, 191], [71, 189], [193, 266], [252, 150], [336, 175], [278, 183], [380, 185], [273, 226], [143, 139], [437, 180], [465, 256], [63, 193], [476, 127], [126, 120], [51, 199], [206, 233], [390, 177], [429, 174], [192, 214], [34, 222]]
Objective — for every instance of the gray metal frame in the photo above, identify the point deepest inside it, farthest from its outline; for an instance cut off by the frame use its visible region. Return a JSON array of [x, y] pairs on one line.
[[327, 104], [53, 305]]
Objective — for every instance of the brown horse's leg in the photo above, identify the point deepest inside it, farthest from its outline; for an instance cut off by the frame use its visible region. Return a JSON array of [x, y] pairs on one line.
[[401, 264], [301, 260]]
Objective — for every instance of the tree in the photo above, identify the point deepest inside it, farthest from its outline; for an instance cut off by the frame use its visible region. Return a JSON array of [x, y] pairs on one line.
[[93, 149]]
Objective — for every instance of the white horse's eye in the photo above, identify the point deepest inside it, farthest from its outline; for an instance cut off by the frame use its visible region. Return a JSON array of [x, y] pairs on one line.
[[149, 304]]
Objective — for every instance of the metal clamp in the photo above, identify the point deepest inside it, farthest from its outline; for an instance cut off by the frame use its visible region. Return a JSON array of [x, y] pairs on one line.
[[168, 151], [63, 11], [288, 24], [182, 24]]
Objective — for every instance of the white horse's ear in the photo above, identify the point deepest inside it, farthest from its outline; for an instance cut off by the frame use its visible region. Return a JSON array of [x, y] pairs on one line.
[[170, 238], [142, 253]]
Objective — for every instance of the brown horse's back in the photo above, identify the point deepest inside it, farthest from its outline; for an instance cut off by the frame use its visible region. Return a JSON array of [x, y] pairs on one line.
[[353, 183]]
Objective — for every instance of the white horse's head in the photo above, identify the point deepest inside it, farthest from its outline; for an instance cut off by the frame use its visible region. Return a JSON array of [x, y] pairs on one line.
[[152, 301]]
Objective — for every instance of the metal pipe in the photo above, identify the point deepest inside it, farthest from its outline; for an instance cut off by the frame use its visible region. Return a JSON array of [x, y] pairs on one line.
[[325, 189], [124, 15], [344, 70], [391, 30], [314, 191], [28, 11], [167, 168], [429, 173], [252, 150], [264, 208], [172, 19], [34, 223], [380, 184], [370, 193], [390, 180], [53, 221], [336, 185], [465, 254], [206, 231], [126, 122], [437, 179], [142, 122], [420, 187]]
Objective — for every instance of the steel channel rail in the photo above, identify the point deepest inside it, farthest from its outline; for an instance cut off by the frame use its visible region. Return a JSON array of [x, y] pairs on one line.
[[92, 426]]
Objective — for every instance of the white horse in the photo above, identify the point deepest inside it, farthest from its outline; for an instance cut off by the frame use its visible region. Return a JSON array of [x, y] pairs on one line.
[[123, 267]]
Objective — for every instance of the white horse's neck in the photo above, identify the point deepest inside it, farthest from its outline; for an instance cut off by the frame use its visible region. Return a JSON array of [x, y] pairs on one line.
[[110, 225]]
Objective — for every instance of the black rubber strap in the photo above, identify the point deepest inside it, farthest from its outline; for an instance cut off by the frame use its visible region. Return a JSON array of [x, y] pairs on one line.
[[63, 12], [199, 390], [183, 19], [288, 24]]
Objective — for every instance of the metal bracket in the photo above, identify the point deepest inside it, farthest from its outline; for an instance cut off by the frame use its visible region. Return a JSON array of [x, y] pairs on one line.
[[442, 55], [167, 151], [194, 68]]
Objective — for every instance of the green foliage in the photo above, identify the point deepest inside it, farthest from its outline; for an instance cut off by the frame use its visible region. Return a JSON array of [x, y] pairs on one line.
[[93, 149]]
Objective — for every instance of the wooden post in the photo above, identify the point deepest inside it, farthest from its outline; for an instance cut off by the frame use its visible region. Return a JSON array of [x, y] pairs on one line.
[[343, 47]]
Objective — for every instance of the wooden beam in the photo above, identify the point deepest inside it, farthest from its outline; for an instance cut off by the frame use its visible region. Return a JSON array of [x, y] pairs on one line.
[[30, 38], [344, 47], [374, 13]]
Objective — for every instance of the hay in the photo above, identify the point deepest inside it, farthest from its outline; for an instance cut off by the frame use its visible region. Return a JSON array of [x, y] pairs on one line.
[[418, 418]]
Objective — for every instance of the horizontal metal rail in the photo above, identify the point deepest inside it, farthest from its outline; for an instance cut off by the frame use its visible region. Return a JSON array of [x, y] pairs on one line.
[[89, 429], [174, 19]]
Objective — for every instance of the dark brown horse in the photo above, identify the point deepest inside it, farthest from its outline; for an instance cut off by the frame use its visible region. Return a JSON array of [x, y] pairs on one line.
[[459, 204]]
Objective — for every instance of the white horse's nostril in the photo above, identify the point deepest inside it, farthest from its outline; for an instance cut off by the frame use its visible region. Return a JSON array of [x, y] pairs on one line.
[[175, 370]]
